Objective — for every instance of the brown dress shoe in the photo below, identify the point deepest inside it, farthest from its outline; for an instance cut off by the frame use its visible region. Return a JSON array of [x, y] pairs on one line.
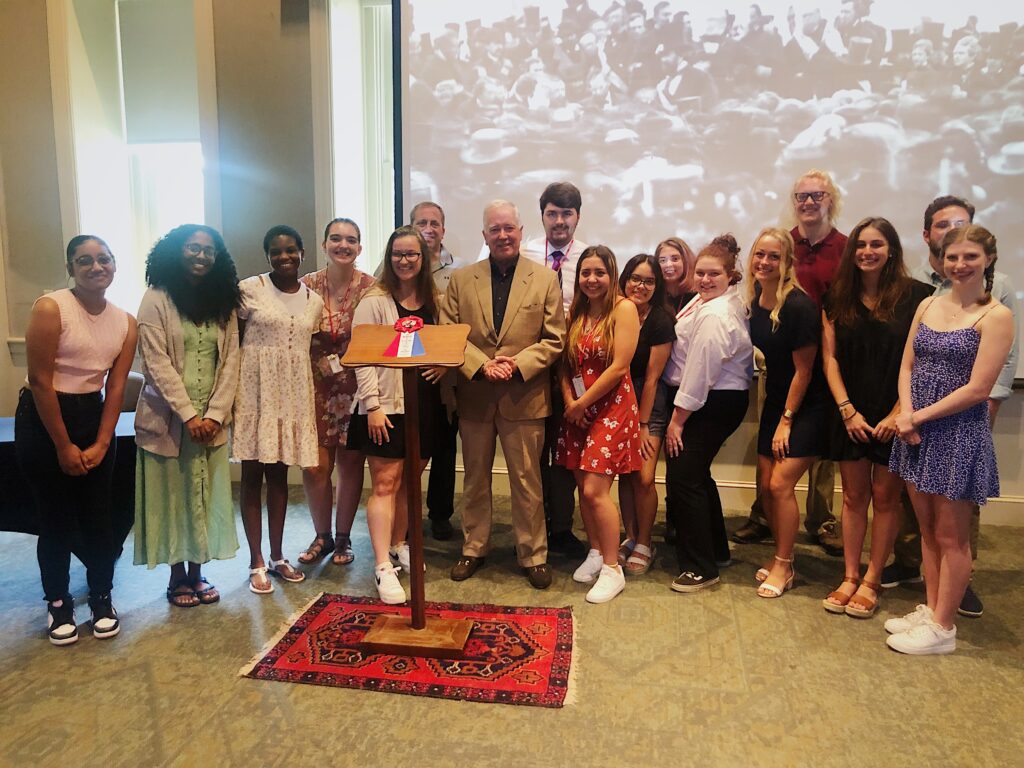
[[539, 576], [466, 567]]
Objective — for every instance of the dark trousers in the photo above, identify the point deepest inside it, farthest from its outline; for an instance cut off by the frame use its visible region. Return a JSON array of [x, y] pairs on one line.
[[74, 512], [557, 483], [692, 497], [441, 485]]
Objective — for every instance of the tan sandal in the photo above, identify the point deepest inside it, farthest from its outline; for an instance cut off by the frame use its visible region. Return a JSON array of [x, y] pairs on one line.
[[835, 601], [861, 607]]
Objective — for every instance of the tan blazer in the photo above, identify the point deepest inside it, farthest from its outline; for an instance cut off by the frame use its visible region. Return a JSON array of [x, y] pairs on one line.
[[533, 333]]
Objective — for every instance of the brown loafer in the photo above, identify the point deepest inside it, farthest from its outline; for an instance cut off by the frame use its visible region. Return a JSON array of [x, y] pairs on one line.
[[539, 576], [466, 567]]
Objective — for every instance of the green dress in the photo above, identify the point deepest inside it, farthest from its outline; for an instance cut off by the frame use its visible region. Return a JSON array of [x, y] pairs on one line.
[[183, 506]]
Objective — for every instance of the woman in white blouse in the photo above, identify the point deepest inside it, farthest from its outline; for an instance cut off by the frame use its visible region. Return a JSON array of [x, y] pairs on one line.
[[709, 372]]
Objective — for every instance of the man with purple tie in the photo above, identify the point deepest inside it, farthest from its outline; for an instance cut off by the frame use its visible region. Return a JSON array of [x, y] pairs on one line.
[[559, 250]]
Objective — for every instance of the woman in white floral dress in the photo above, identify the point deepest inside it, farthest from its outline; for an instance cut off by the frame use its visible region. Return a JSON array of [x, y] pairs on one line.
[[275, 423]]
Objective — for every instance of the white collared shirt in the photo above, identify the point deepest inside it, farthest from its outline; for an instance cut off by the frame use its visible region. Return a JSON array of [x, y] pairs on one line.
[[712, 349], [539, 250]]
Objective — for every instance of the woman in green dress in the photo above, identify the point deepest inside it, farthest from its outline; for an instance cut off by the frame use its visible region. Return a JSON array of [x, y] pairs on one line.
[[188, 340]]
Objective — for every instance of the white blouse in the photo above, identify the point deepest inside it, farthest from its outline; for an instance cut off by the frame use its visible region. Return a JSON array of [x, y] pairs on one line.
[[712, 349]]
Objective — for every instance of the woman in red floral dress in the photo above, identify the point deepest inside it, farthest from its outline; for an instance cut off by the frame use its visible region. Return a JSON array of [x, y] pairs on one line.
[[600, 433]]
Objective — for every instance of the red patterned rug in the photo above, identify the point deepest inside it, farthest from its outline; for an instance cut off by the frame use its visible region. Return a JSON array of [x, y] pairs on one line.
[[513, 655]]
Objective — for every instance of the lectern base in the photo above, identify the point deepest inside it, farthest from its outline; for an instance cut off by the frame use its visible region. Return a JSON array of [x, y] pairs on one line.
[[440, 639]]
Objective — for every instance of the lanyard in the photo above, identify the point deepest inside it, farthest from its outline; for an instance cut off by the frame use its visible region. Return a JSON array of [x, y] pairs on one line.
[[327, 303]]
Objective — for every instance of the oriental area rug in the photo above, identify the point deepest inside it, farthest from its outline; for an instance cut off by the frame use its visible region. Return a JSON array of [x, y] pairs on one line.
[[514, 655]]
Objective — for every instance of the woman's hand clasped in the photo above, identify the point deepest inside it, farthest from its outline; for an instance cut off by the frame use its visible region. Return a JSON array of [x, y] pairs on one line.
[[200, 430], [858, 429], [907, 429], [886, 429], [71, 460], [378, 425], [577, 415]]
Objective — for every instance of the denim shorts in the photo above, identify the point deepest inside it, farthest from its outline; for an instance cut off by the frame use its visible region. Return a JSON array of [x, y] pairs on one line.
[[661, 412]]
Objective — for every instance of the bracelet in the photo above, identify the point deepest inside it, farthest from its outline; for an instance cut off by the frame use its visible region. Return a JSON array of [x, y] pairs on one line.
[[840, 405], [371, 410], [850, 416], [644, 423]]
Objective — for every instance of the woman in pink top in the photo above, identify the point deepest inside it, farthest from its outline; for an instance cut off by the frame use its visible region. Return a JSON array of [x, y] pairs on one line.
[[64, 432]]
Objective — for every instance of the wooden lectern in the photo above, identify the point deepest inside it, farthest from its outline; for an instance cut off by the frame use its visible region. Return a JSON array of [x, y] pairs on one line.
[[444, 345]]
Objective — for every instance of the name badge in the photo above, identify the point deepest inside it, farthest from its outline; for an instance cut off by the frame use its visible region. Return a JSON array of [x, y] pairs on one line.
[[578, 387], [334, 364]]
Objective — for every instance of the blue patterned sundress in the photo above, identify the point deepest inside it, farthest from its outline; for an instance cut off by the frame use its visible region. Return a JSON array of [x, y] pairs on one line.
[[956, 457]]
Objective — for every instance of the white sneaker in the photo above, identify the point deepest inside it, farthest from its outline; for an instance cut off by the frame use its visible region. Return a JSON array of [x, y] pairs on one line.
[[589, 568], [400, 555], [924, 639], [919, 615], [388, 586], [611, 581]]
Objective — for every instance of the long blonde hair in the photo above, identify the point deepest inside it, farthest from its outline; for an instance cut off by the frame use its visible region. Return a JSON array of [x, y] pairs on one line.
[[787, 271], [605, 328]]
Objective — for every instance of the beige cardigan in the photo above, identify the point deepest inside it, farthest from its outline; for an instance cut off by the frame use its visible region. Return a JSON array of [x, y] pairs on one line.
[[164, 405]]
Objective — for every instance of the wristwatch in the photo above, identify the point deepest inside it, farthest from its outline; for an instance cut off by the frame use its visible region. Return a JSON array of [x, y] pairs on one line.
[[788, 414]]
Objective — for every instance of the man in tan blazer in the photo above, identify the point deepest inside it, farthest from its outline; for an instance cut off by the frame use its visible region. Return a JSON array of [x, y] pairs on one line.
[[514, 308]]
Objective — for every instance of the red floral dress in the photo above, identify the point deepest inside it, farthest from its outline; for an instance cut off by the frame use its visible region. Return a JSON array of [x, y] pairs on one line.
[[333, 393], [611, 444]]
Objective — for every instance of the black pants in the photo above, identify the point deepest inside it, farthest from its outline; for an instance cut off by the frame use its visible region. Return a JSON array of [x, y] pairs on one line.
[[558, 483], [74, 512], [441, 485], [692, 495]]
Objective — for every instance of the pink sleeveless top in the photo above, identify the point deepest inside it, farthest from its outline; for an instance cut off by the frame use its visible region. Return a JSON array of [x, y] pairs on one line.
[[88, 344]]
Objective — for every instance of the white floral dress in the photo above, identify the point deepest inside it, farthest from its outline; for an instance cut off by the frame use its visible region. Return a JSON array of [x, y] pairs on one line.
[[274, 418]]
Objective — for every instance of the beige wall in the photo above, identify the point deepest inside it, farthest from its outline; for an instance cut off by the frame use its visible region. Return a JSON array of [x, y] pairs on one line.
[[266, 128]]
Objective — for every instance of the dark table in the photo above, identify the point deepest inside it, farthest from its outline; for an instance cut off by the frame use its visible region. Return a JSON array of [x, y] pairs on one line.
[[16, 510]]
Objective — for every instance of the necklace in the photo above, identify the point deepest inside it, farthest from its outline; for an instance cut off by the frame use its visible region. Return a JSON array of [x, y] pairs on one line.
[[643, 315]]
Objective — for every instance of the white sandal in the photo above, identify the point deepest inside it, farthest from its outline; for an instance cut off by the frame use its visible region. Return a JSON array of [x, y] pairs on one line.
[[625, 550], [295, 575], [640, 561], [261, 571]]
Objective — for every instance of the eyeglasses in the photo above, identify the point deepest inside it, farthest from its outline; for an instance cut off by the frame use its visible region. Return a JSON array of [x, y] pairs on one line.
[[646, 282], [194, 249], [802, 197], [407, 255], [104, 260]]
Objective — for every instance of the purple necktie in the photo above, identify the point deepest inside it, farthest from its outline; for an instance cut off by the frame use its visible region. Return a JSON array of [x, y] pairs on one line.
[[557, 259]]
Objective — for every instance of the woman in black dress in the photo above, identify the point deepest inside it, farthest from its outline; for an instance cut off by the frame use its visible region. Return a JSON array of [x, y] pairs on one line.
[[786, 327], [865, 321], [642, 283]]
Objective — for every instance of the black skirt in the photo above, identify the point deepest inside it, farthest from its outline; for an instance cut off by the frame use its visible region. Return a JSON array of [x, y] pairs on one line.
[[394, 448]]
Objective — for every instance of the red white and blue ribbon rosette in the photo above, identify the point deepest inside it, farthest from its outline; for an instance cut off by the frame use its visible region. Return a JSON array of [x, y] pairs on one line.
[[407, 341]]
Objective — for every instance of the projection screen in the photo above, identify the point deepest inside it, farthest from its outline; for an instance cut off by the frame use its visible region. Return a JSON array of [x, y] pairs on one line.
[[687, 119]]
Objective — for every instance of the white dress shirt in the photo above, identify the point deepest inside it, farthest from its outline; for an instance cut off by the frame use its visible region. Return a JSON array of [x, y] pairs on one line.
[[539, 250], [712, 349]]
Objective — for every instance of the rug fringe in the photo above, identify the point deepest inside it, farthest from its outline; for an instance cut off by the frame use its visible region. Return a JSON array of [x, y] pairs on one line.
[[281, 631], [574, 665]]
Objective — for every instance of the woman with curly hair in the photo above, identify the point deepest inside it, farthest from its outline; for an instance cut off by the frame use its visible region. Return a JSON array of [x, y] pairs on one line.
[[188, 341], [865, 321], [600, 432]]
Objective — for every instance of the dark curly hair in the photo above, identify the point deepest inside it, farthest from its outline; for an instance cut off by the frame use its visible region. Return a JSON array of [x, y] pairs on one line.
[[212, 298]]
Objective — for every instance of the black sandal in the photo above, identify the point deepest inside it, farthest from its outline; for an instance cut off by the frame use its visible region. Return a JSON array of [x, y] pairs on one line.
[[174, 595], [321, 547], [205, 598]]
